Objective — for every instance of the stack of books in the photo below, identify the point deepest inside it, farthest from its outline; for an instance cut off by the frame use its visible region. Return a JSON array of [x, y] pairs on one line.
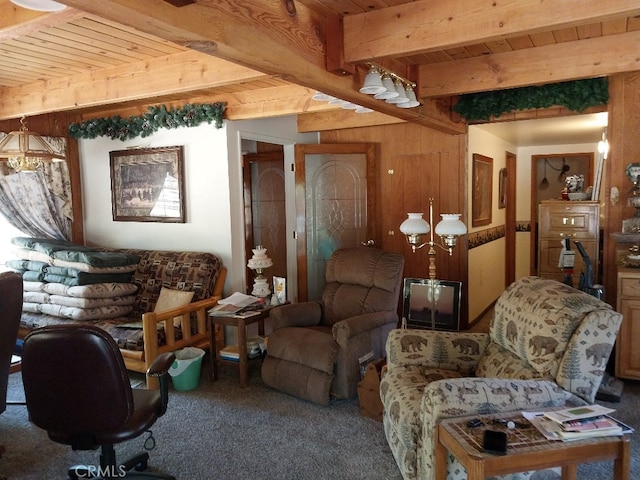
[[255, 348], [578, 423]]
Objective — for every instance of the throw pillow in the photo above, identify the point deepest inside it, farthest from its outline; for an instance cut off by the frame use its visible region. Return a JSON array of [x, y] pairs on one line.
[[170, 299]]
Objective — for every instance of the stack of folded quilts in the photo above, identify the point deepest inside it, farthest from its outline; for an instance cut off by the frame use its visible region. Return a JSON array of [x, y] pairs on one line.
[[72, 281]]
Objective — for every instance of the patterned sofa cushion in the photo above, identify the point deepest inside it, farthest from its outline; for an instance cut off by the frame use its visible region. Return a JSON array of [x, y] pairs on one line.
[[535, 319]]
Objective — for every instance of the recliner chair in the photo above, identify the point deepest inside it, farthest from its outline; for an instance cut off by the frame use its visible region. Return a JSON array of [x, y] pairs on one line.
[[315, 347], [78, 390]]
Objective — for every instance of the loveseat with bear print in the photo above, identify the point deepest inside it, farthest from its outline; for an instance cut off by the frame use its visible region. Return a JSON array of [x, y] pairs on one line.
[[548, 345]]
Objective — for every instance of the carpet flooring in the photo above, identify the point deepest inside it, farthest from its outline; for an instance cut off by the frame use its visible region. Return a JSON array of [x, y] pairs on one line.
[[222, 431]]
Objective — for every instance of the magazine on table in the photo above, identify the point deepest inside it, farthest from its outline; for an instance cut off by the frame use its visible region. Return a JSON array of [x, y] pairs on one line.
[[236, 304], [601, 426], [576, 414]]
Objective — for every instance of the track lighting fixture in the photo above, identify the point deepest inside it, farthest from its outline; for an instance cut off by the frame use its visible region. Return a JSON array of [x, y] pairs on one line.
[[323, 97], [390, 87]]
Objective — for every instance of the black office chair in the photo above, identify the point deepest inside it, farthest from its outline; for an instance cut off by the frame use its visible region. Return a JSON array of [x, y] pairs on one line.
[[78, 390], [10, 313]]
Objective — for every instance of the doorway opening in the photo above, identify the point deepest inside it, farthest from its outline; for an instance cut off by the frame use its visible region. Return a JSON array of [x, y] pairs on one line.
[[548, 176]]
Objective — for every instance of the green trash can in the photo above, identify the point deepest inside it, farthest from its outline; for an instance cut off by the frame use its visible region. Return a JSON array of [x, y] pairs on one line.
[[185, 370]]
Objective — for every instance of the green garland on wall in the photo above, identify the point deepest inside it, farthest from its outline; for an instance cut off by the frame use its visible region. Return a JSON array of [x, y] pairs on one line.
[[116, 127], [576, 95]]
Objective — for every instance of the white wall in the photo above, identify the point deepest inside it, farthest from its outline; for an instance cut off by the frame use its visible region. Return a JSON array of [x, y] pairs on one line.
[[206, 194], [213, 191], [487, 262]]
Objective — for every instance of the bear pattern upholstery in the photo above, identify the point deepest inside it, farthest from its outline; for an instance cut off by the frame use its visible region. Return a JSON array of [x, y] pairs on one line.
[[432, 375]]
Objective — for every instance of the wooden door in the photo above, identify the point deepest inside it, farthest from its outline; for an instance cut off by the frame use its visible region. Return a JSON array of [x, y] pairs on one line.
[[335, 207], [264, 210]]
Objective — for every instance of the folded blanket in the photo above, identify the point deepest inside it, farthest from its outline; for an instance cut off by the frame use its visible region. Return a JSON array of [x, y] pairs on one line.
[[30, 276], [85, 267], [22, 265], [70, 252], [90, 302], [32, 286], [98, 290], [35, 297], [85, 278], [74, 313], [26, 254], [31, 307], [97, 259], [46, 245]]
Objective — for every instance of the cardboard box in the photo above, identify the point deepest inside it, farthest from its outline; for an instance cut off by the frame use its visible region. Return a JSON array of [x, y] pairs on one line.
[[369, 391]]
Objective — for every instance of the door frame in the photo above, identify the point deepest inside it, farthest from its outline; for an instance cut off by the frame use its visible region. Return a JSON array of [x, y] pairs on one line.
[[510, 219]]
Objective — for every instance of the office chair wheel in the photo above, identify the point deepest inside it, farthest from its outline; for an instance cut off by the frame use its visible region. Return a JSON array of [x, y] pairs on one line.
[[79, 472], [141, 466]]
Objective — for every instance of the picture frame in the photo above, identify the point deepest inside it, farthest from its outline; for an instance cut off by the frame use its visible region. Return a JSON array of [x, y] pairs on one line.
[[502, 188], [417, 304], [147, 184], [482, 188]]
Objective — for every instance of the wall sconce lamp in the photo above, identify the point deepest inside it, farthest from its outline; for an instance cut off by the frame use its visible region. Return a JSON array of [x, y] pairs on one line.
[[385, 85], [25, 151], [449, 229]]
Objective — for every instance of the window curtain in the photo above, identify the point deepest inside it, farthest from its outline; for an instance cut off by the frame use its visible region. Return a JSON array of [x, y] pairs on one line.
[[39, 203]]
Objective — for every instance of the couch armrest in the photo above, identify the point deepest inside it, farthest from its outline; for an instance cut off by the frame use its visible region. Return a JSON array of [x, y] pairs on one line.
[[435, 349], [305, 314], [350, 327], [152, 321]]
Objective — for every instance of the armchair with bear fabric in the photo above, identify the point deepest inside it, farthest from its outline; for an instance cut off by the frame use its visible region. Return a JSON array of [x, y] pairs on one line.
[[548, 345]]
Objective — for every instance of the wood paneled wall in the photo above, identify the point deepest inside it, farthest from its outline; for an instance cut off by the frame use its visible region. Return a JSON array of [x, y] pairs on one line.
[[624, 125], [57, 125], [414, 164]]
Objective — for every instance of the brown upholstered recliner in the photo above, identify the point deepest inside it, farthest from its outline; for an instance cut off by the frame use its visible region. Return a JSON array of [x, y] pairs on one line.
[[314, 349], [78, 390]]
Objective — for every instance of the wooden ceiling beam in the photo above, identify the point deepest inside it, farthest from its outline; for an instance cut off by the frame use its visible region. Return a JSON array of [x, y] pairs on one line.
[[428, 25], [334, 119], [277, 38], [594, 57], [177, 73]]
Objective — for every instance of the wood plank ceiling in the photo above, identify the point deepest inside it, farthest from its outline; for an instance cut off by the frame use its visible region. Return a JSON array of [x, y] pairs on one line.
[[267, 58]]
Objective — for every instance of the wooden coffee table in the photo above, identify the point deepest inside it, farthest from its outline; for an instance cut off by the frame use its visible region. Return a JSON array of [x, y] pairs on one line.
[[527, 450]]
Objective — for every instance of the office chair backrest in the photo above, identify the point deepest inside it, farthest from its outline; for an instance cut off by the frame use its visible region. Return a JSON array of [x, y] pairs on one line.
[[10, 313], [75, 382]]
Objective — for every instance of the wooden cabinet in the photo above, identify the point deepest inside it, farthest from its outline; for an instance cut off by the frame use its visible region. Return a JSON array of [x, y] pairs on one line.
[[627, 353], [558, 220]]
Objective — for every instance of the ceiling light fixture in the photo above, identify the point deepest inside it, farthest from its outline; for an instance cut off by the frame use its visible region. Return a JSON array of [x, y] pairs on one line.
[[40, 5], [25, 151], [386, 85], [372, 82], [323, 97]]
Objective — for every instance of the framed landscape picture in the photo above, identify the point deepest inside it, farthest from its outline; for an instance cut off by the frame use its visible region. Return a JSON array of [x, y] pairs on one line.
[[147, 184], [481, 200]]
